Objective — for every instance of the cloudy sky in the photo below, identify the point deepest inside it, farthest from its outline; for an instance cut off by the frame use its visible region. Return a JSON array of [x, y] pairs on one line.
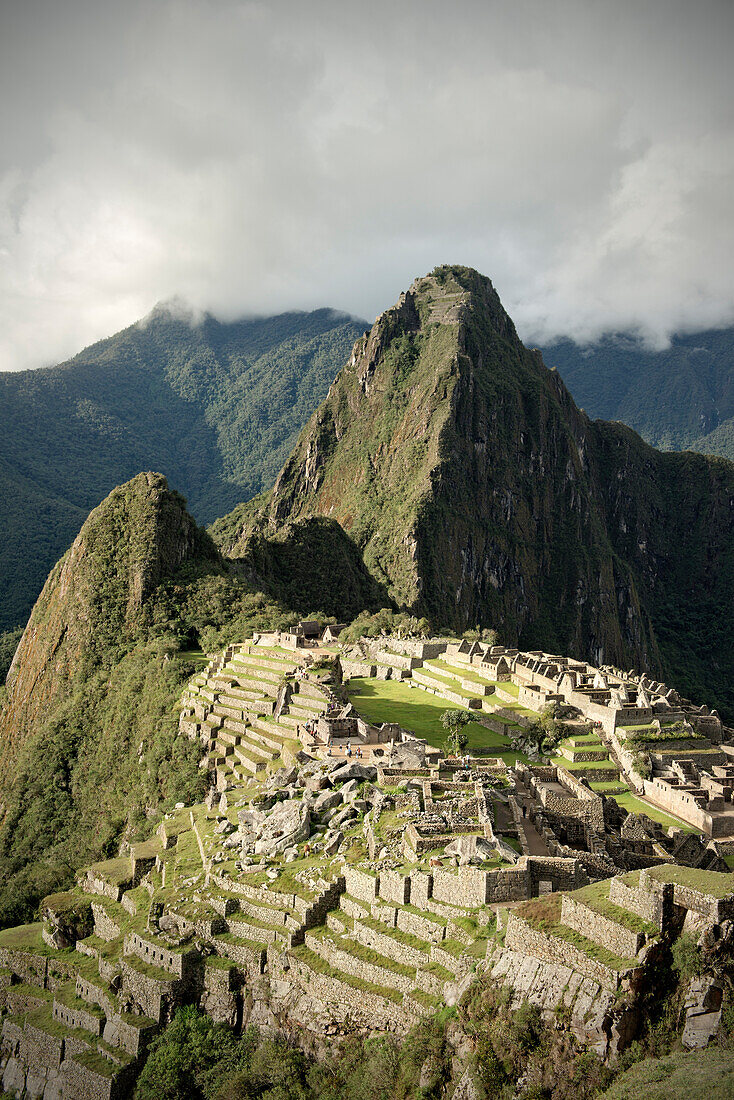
[[259, 156]]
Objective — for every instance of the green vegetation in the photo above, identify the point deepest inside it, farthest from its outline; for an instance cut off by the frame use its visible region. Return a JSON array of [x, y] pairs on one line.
[[637, 806], [24, 937], [667, 396], [371, 625], [708, 882], [415, 710], [687, 956], [678, 1076], [215, 407], [582, 765], [191, 1058], [650, 735]]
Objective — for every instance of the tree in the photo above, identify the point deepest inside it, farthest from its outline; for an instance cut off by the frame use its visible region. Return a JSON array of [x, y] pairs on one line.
[[553, 730], [189, 1059], [540, 736], [453, 721], [488, 635]]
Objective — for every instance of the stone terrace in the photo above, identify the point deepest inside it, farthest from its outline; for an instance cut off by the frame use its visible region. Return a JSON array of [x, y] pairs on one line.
[[344, 893]]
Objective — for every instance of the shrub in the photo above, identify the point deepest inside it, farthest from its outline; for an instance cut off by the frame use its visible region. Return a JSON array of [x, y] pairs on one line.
[[687, 957]]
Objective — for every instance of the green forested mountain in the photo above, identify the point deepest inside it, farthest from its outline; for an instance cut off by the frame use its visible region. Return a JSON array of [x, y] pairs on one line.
[[480, 494], [678, 398], [216, 407]]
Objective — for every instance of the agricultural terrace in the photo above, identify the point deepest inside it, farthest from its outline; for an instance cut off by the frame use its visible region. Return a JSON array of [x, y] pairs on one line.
[[420, 713]]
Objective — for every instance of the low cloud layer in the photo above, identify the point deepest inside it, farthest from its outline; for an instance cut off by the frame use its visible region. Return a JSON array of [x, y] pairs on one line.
[[254, 157]]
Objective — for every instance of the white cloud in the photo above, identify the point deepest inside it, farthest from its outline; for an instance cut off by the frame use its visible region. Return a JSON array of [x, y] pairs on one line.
[[252, 157]]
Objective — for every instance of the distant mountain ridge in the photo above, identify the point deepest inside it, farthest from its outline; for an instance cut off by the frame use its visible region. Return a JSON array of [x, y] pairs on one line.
[[680, 398], [216, 407]]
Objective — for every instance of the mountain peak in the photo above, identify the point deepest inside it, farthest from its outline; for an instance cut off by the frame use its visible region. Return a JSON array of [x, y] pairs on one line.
[[176, 308], [480, 494], [375, 450], [93, 600]]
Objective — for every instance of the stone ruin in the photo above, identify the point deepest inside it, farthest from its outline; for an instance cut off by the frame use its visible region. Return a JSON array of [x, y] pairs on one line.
[[363, 891]]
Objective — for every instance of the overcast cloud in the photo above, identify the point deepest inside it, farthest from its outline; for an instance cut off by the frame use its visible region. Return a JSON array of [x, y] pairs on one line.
[[255, 157]]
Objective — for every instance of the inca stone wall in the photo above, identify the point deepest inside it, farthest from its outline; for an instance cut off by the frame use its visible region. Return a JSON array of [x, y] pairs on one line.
[[530, 941], [607, 933]]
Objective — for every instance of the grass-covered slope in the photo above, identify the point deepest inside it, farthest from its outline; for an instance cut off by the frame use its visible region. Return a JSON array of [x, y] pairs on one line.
[[215, 407], [479, 493], [88, 718], [679, 1076], [678, 397]]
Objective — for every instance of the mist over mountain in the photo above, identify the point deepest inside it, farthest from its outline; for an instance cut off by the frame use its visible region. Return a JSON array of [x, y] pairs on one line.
[[679, 398]]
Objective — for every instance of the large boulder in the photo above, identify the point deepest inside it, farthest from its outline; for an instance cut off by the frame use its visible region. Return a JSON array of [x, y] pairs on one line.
[[288, 824], [281, 778], [342, 815], [326, 801], [354, 770], [471, 849], [410, 754], [332, 842]]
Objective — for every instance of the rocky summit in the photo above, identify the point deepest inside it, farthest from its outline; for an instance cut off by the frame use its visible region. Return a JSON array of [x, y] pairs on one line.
[[480, 494]]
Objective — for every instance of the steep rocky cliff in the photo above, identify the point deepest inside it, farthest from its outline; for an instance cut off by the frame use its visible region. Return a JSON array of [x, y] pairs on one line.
[[480, 493]]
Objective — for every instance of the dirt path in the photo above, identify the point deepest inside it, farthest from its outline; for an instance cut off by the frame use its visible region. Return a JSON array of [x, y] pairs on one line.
[[536, 845]]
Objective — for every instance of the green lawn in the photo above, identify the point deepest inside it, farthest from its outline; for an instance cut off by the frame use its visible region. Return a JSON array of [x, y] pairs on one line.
[[509, 687], [459, 673], [516, 707], [714, 883], [196, 655], [582, 765], [449, 682], [415, 710], [637, 806]]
